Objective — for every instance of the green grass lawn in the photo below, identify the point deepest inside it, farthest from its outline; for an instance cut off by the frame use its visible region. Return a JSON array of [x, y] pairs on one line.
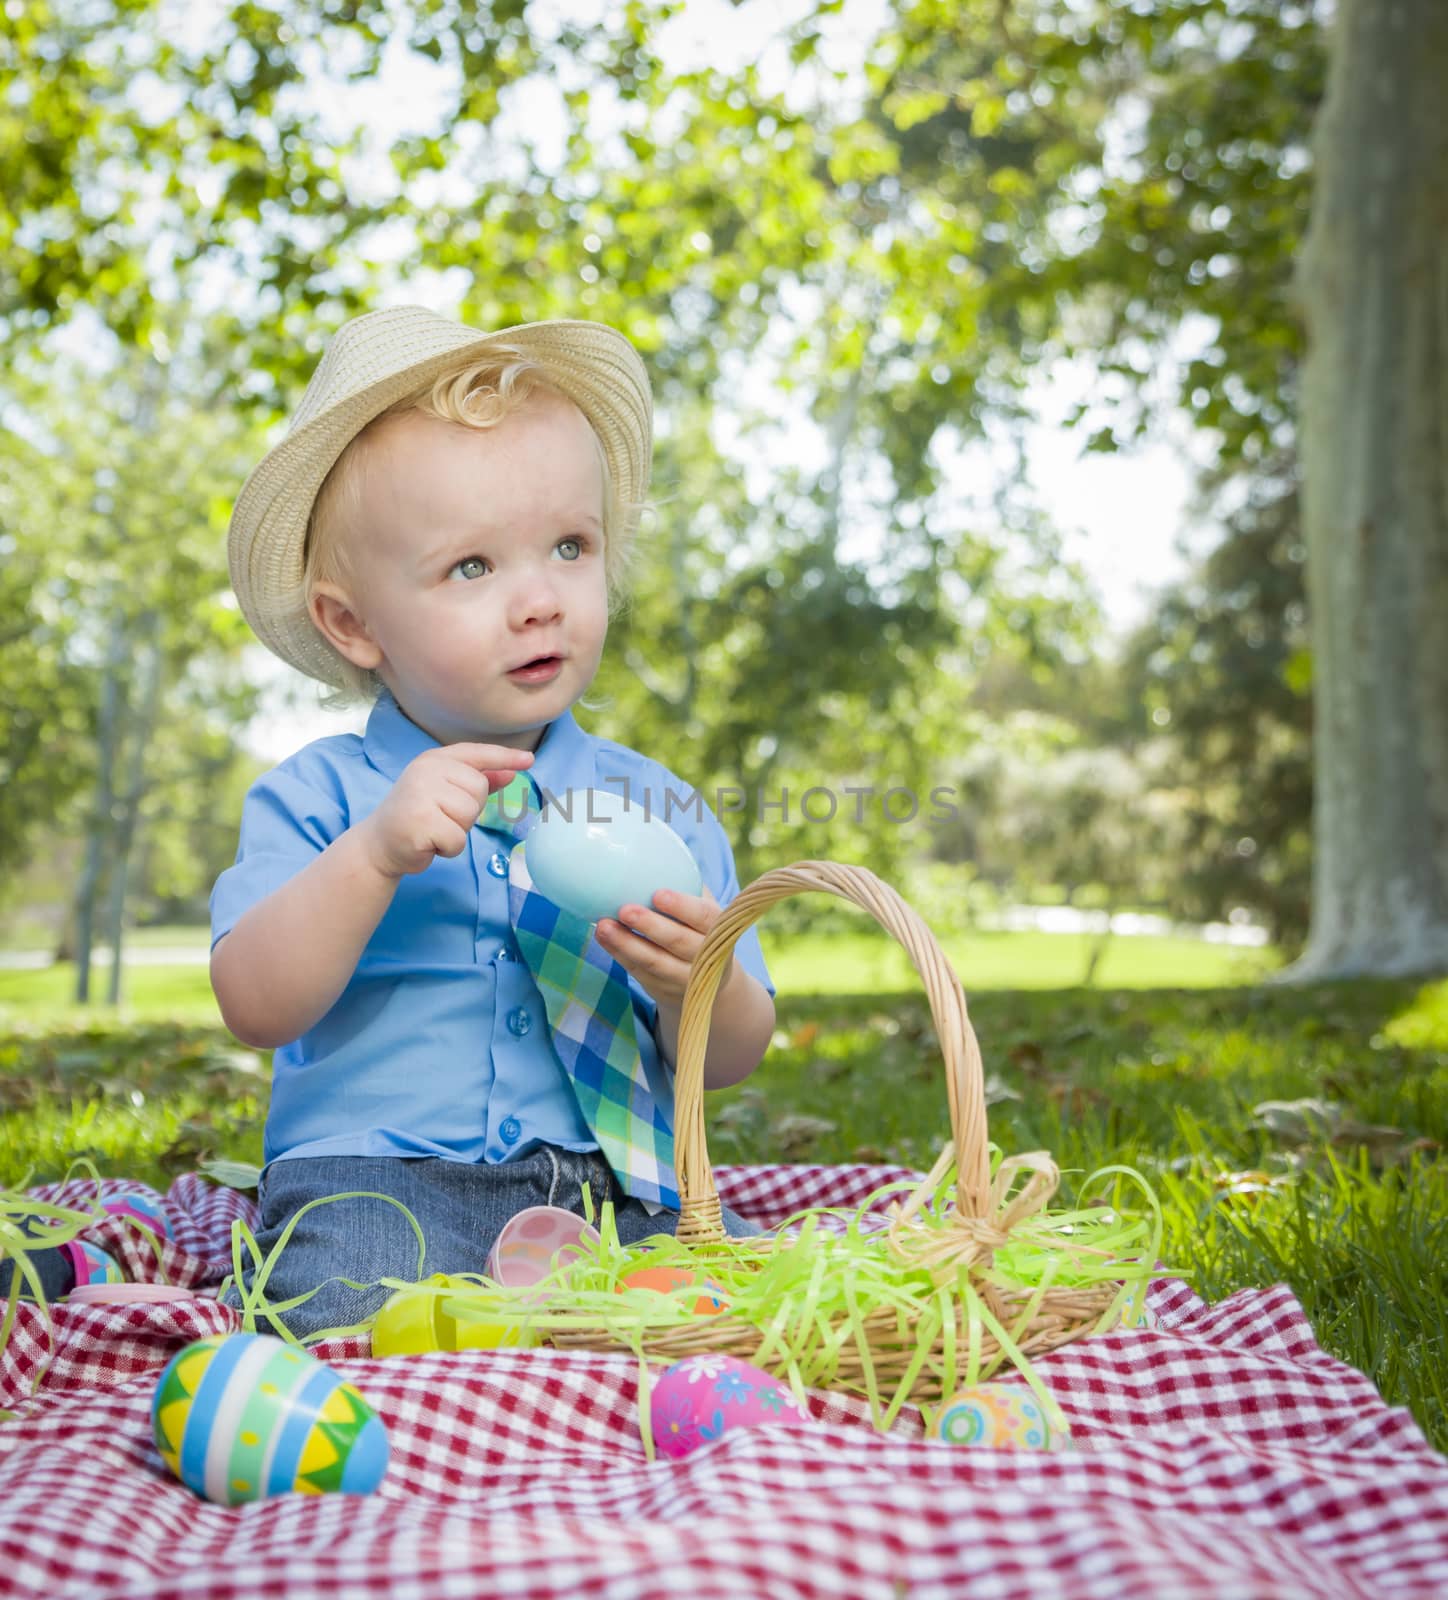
[[868, 963], [1342, 1191], [864, 963], [180, 994]]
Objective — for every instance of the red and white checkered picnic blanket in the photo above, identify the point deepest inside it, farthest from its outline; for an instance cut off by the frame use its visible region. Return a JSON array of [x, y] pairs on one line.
[[1220, 1454]]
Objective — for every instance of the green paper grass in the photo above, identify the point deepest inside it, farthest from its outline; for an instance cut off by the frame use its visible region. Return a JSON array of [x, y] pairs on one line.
[[254, 1303], [809, 1296], [19, 1213]]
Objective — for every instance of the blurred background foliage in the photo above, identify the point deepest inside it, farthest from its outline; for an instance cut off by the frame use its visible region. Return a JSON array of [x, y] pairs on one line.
[[195, 198]]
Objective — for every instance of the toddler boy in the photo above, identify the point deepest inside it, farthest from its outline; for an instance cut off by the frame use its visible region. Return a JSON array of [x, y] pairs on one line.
[[446, 529]]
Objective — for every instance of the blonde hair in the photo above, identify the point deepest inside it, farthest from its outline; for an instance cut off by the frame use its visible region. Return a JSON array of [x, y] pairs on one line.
[[479, 394]]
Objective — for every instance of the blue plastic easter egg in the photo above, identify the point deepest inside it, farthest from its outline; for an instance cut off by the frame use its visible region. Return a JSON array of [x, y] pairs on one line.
[[594, 850], [140, 1208], [242, 1416]]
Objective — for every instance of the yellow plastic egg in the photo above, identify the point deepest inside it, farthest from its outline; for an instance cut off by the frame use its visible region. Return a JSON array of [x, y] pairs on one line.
[[416, 1320]]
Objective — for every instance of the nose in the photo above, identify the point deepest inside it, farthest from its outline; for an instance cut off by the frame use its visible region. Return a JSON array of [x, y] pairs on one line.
[[535, 599]]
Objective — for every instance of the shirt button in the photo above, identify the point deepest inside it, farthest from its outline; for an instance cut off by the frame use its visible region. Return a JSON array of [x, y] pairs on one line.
[[506, 952], [498, 864], [509, 1129], [519, 1021]]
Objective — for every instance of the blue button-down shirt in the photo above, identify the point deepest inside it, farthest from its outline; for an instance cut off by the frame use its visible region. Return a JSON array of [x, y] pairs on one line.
[[439, 1045]]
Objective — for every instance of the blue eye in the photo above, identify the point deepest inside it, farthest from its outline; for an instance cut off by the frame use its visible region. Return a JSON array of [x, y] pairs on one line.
[[470, 567], [577, 546]]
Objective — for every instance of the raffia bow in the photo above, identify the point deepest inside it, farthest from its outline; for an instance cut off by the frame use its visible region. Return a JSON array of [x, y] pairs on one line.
[[964, 1240]]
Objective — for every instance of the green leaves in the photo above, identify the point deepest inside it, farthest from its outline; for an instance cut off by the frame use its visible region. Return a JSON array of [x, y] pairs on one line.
[[1225, 665], [233, 1174], [114, 493], [873, 277]]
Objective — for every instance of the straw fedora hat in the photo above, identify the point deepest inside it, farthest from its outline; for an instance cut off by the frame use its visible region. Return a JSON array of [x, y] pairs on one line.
[[372, 362]]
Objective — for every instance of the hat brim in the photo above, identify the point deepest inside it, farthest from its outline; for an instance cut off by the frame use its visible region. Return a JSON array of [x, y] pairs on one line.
[[593, 364]]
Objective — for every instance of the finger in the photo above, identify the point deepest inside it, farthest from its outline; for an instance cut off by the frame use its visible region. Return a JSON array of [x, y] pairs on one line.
[[468, 779], [694, 909], [450, 840], [460, 804], [492, 757], [661, 932], [642, 958]]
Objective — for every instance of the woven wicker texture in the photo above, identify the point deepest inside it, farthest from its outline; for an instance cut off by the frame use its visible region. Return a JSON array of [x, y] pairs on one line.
[[980, 1219], [372, 362]]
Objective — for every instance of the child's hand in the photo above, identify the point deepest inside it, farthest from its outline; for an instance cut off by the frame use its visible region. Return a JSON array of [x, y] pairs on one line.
[[438, 798], [672, 936]]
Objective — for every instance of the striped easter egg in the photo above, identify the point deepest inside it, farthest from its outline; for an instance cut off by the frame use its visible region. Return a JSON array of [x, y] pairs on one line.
[[243, 1416]]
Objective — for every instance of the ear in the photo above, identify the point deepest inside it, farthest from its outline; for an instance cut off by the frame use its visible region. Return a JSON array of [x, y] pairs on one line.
[[342, 626]]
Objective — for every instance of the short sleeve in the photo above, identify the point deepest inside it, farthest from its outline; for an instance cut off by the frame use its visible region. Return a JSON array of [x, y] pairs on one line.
[[689, 815], [286, 822], [716, 862]]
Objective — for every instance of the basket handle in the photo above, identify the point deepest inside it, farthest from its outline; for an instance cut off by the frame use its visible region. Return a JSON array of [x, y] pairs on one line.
[[699, 1207]]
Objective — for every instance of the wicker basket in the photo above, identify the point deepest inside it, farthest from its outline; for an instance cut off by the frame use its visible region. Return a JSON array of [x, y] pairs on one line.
[[978, 1219]]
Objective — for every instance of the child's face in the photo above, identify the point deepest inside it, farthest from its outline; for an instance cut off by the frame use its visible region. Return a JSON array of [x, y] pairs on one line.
[[477, 551]]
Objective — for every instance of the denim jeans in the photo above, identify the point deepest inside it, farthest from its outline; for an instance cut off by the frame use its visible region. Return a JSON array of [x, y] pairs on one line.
[[49, 1263], [460, 1206]]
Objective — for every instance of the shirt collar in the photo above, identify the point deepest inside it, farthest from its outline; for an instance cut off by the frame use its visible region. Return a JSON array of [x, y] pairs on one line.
[[562, 761]]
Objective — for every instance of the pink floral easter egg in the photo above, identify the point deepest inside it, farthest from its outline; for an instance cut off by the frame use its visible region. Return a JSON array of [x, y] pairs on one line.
[[700, 1399]]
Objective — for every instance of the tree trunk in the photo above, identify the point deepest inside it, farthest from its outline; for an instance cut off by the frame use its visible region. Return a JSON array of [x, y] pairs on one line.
[[1097, 948], [1374, 287], [102, 820], [130, 807]]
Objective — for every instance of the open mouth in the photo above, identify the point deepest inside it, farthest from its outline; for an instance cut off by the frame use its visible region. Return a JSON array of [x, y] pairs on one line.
[[539, 668]]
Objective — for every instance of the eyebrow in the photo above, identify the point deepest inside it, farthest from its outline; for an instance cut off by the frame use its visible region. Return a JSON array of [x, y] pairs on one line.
[[467, 541]]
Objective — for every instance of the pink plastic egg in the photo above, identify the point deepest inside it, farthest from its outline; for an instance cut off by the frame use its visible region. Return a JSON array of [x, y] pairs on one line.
[[531, 1241], [700, 1399], [127, 1294]]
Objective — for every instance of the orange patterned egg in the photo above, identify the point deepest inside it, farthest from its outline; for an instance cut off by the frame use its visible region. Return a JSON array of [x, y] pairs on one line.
[[665, 1280]]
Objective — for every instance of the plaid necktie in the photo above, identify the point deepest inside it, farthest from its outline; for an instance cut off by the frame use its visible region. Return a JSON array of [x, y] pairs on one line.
[[590, 1016]]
